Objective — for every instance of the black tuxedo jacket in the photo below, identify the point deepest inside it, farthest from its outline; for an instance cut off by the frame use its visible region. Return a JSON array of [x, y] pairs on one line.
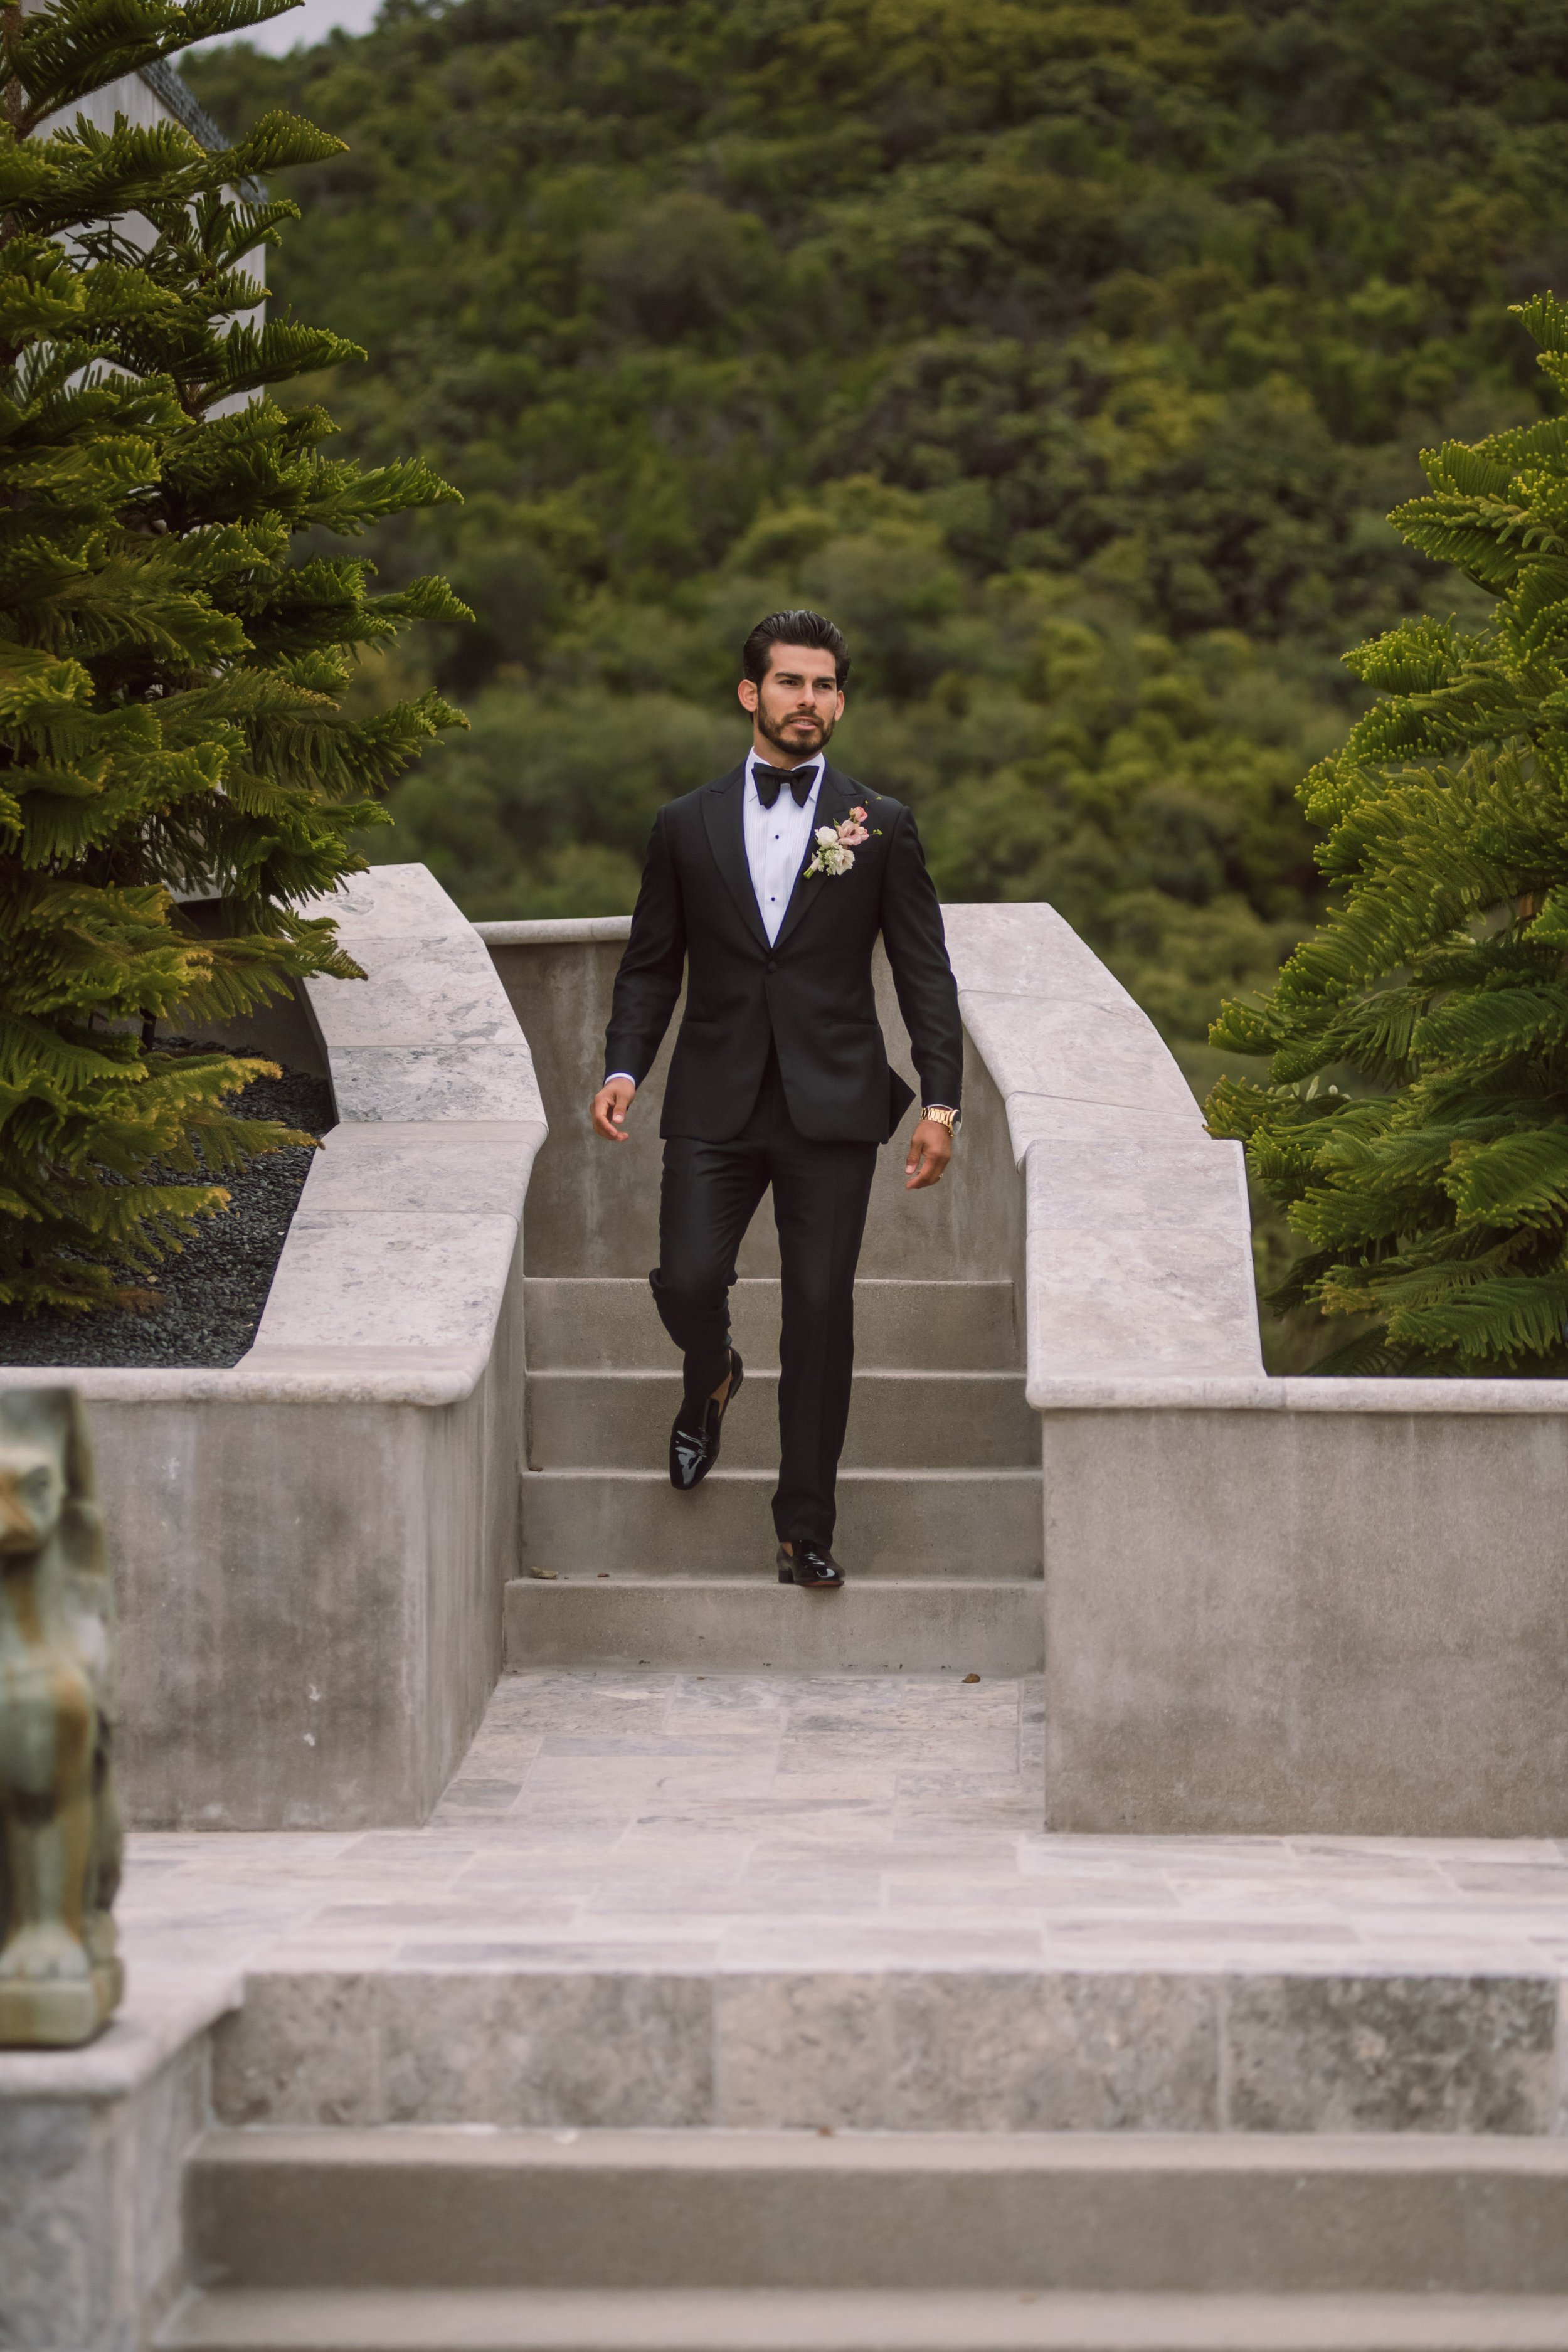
[[810, 992]]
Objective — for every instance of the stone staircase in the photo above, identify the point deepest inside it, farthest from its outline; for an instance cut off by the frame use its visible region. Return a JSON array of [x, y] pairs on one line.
[[940, 1500], [427, 2240], [940, 1513]]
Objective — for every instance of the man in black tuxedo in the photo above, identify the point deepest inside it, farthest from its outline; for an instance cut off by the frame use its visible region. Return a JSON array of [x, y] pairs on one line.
[[768, 888]]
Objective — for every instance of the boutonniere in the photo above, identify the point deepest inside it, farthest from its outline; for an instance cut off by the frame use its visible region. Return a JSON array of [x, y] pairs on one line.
[[837, 844]]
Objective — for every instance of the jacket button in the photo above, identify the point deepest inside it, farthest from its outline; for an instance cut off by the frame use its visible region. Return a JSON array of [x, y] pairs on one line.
[[772, 966]]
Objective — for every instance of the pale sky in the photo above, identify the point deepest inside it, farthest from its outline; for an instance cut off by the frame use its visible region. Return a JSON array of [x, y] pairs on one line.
[[300, 27]]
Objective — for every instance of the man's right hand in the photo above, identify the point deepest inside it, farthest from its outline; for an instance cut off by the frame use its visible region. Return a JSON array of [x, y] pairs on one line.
[[611, 1104]]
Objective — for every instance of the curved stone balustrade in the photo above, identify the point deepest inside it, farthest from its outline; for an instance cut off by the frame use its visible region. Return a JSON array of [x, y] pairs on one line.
[[1138, 1247], [310, 1547]]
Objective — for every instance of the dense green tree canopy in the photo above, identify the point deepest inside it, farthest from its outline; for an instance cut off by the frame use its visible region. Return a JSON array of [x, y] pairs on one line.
[[1071, 354]]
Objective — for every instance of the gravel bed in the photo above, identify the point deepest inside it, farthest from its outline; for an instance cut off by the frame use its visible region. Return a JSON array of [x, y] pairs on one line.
[[211, 1293]]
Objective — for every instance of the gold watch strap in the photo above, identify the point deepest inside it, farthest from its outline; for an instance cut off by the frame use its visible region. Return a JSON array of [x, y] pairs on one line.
[[942, 1114]]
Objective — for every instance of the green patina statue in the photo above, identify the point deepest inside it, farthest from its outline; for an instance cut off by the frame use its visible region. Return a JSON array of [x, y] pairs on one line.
[[59, 1830]]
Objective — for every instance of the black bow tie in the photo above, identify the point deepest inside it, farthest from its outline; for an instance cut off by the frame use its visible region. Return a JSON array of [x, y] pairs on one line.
[[771, 782]]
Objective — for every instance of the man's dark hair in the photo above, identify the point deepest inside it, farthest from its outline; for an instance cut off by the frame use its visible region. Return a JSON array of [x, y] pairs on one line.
[[797, 628]]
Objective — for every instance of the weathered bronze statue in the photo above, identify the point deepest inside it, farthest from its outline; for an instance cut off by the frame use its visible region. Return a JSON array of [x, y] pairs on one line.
[[59, 1830]]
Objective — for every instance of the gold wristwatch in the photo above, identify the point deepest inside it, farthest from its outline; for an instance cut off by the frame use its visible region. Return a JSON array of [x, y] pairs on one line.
[[952, 1119]]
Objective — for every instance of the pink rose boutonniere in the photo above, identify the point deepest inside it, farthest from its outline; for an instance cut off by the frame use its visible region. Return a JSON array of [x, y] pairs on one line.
[[837, 844]]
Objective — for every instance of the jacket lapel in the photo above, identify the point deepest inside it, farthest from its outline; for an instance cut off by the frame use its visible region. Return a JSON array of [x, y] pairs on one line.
[[721, 815], [833, 802]]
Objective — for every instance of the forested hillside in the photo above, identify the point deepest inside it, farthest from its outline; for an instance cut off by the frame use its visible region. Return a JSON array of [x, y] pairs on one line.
[[1070, 355]]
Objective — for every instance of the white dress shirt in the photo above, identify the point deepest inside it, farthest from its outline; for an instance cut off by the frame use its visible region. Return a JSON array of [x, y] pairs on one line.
[[777, 842]]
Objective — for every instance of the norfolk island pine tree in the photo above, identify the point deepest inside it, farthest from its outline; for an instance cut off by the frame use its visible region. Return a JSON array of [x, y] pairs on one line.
[[169, 667], [1432, 1208]]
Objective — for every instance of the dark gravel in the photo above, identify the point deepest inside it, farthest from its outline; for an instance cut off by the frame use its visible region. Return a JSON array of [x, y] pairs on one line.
[[212, 1294]]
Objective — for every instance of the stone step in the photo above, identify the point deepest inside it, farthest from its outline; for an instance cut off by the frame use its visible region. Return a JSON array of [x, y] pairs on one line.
[[959, 1526], [763, 2320], [583, 1325], [915, 2214], [728, 1626], [940, 1421]]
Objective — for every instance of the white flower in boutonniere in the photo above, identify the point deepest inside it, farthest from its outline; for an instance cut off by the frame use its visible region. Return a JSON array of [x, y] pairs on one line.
[[837, 844]]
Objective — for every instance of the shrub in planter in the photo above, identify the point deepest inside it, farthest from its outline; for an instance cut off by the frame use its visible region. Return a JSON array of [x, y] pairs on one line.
[[171, 659], [1430, 1189]]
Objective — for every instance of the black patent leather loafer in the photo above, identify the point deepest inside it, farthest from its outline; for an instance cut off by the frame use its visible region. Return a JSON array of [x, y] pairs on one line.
[[693, 1452], [812, 1566]]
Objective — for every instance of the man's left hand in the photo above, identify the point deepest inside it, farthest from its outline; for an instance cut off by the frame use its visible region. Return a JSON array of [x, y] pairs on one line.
[[931, 1149]]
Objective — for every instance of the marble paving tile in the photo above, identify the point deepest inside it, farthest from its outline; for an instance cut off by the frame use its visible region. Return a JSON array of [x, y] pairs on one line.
[[715, 1862], [800, 2053], [1086, 1956], [969, 1860], [1153, 1850], [1043, 1899], [861, 1785], [754, 1704], [816, 1821], [1452, 1925], [599, 1777], [399, 1846], [878, 1944], [1450, 2054], [368, 1919], [1516, 1882], [466, 1797], [1408, 1898], [1053, 2054], [302, 2051], [792, 1899], [549, 1816], [615, 1951], [331, 1956], [1438, 1850], [724, 1745], [1455, 1955], [1175, 1929], [590, 2052]]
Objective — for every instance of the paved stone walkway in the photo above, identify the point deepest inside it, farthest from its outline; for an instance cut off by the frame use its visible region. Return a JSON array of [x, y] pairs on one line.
[[667, 1822]]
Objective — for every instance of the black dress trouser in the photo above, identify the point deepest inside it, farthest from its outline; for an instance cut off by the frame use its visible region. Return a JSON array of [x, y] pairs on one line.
[[821, 1191]]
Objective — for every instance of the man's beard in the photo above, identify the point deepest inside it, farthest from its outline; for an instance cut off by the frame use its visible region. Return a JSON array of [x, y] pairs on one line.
[[794, 750]]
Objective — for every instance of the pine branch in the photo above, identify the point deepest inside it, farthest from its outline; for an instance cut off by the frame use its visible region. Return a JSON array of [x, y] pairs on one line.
[[170, 681], [1439, 1215]]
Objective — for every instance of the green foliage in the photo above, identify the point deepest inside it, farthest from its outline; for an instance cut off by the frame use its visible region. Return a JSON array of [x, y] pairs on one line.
[[1432, 1201], [1069, 352], [170, 679]]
